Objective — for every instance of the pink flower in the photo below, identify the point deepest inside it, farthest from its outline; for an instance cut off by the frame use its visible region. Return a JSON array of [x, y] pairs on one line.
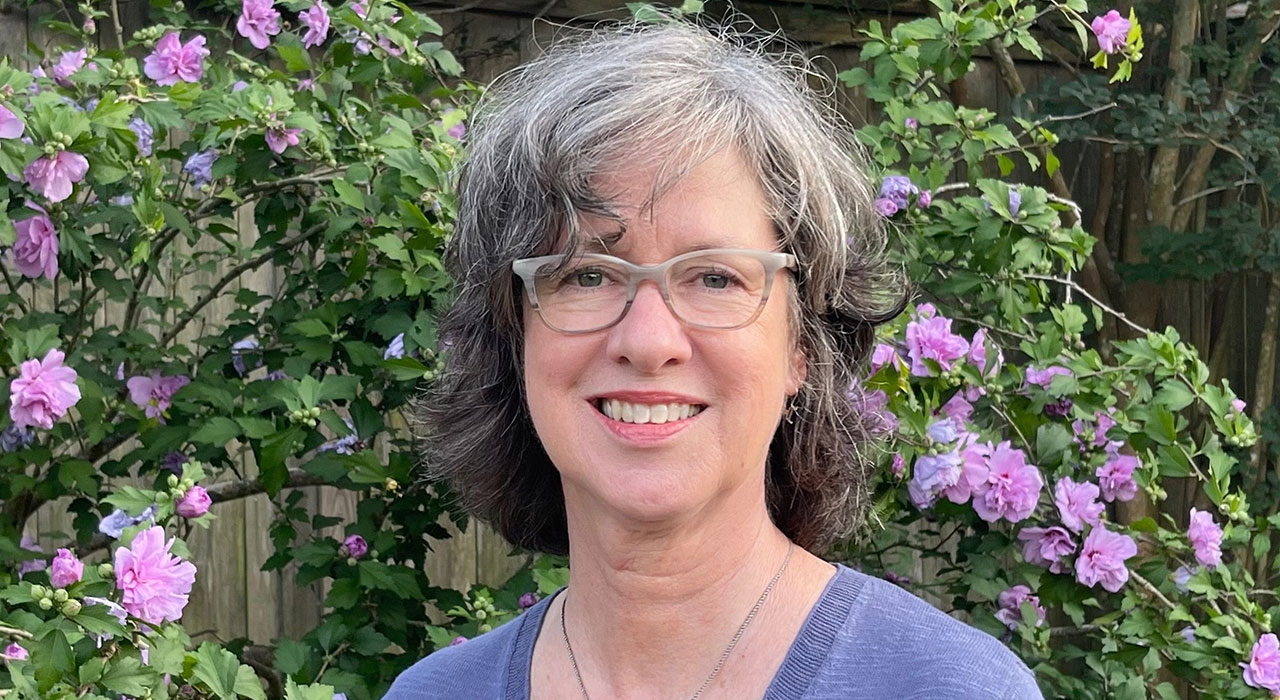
[[1206, 538], [356, 546], [173, 62], [1112, 30], [1043, 377], [1011, 489], [882, 355], [68, 63], [1116, 477], [1047, 547], [932, 475], [925, 199], [1010, 604], [1102, 559], [280, 139], [958, 409], [154, 583], [1095, 433], [35, 249], [53, 176], [899, 466], [886, 206], [194, 503], [65, 569], [43, 392], [316, 20], [154, 393], [258, 21], [11, 127], [1077, 503], [1263, 669], [978, 354], [1237, 405], [973, 468], [931, 338], [1181, 577], [15, 652]]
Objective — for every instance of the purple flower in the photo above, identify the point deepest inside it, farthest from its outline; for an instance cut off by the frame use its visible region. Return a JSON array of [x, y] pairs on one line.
[[958, 409], [113, 609], [145, 134], [978, 354], [1047, 547], [356, 546], [911, 123], [1077, 503], [897, 189], [154, 393], [931, 338], [1238, 405], [528, 600], [1102, 559], [239, 85], [1181, 576], [925, 199], [1206, 538], [239, 349], [457, 640], [173, 62], [316, 20], [882, 355], [65, 570], [1010, 606], [973, 468], [943, 431], [11, 127], [113, 525], [1015, 202], [194, 503], [933, 474], [1188, 634], [28, 544], [258, 22], [886, 207], [1061, 408], [279, 139], [1263, 669], [1116, 477], [457, 131], [1011, 489], [153, 583], [200, 166], [395, 348], [1094, 435], [68, 63], [53, 176], [899, 466], [35, 249], [872, 407], [43, 392], [1112, 30], [1043, 377], [16, 437], [15, 652], [173, 462]]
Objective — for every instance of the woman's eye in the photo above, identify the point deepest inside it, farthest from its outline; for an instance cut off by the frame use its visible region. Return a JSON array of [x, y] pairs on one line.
[[587, 278], [714, 280]]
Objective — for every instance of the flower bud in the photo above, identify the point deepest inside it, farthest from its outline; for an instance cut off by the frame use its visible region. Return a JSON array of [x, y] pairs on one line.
[[39, 592], [60, 595], [71, 608], [45, 604], [481, 615], [106, 570], [90, 27], [172, 480]]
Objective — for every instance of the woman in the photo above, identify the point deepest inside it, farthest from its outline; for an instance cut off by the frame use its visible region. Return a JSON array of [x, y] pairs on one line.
[[669, 271]]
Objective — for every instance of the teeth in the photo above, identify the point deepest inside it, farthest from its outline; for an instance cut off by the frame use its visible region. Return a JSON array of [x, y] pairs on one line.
[[647, 413]]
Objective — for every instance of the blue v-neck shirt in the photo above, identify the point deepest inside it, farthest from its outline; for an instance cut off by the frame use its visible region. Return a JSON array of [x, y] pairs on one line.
[[865, 639]]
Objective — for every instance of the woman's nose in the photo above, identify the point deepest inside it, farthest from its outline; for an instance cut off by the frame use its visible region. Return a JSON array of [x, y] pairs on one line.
[[649, 336]]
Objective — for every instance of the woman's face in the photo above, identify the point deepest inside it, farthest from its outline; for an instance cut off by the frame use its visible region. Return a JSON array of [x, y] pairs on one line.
[[739, 379]]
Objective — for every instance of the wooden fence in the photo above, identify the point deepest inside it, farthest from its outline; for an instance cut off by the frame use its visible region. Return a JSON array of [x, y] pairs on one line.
[[233, 598]]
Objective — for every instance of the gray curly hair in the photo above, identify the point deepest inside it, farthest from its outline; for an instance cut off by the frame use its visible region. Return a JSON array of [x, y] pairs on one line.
[[673, 92]]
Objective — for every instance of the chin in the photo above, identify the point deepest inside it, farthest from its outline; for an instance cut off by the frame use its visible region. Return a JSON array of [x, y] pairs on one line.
[[645, 495]]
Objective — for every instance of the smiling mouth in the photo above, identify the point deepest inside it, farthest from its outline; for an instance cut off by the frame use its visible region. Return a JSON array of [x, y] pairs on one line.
[[656, 414]]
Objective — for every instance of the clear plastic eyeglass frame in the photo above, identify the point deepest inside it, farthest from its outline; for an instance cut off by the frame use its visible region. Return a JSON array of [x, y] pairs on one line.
[[527, 269]]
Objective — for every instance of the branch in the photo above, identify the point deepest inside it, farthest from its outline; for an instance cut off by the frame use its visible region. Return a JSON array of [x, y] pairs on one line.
[[14, 290], [15, 632], [1085, 293], [220, 493], [1152, 590], [231, 275]]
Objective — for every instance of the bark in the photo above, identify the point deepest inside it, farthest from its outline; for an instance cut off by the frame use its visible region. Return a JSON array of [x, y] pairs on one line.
[[1164, 163], [1264, 385]]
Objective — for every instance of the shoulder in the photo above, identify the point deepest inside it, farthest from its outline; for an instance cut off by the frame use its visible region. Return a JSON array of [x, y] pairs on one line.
[[906, 648], [473, 670]]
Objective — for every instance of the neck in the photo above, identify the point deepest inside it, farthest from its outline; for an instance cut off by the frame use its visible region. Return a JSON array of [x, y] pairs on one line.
[[648, 603]]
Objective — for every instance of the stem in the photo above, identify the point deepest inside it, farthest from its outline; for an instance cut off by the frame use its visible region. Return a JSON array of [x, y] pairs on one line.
[[14, 290]]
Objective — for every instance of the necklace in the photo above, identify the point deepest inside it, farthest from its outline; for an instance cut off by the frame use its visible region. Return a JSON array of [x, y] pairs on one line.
[[724, 656]]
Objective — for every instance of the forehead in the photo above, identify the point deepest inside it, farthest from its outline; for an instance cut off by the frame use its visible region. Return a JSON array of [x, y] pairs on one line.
[[718, 203]]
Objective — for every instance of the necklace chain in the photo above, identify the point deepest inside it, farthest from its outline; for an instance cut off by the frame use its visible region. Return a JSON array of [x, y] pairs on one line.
[[724, 656]]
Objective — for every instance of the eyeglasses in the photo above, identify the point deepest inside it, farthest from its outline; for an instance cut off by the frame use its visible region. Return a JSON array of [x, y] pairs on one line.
[[719, 289]]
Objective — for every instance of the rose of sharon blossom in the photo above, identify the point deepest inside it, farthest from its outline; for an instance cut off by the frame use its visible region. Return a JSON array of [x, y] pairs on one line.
[[1047, 547], [1043, 377], [925, 199], [873, 408], [43, 392], [1102, 559], [1116, 478], [53, 176], [978, 354], [931, 338], [932, 474], [27, 545], [882, 355], [15, 652], [65, 570], [528, 600], [973, 468], [280, 139], [1011, 488], [145, 134], [356, 546], [11, 127], [173, 61], [194, 503], [68, 63], [1181, 577], [1263, 669], [1237, 405], [898, 189], [1112, 30], [886, 207], [258, 22], [16, 437], [154, 584], [899, 466], [316, 20], [1206, 538], [200, 166], [35, 249], [395, 349], [154, 393], [1077, 503], [1010, 606], [958, 408]]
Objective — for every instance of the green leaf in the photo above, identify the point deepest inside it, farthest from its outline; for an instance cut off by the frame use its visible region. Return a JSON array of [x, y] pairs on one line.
[[291, 655], [127, 676], [315, 691], [218, 430], [349, 195]]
